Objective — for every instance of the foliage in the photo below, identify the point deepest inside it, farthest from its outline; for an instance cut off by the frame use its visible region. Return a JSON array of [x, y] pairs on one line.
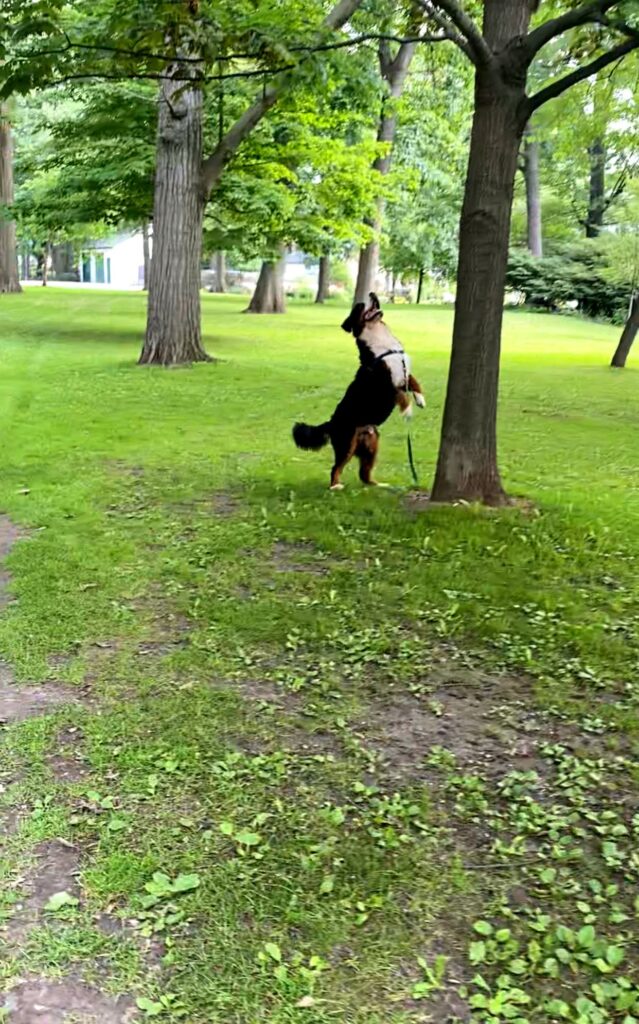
[[578, 275]]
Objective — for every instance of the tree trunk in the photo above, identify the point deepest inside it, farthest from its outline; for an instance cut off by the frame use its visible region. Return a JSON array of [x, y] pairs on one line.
[[25, 265], [394, 72], [420, 285], [173, 331], [146, 256], [9, 280], [218, 263], [533, 193], [268, 296], [628, 334], [467, 463], [45, 264], [597, 197], [324, 279]]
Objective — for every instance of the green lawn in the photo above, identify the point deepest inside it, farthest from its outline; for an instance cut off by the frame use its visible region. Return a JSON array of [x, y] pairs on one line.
[[363, 724]]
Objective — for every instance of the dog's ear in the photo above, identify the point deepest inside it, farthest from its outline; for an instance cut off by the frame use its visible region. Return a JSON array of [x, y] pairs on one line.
[[353, 321]]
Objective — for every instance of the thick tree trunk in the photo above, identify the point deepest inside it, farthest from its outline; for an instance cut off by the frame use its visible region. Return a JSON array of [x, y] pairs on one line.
[[597, 197], [420, 285], [533, 193], [467, 463], [628, 334], [9, 280], [268, 296], [218, 264], [394, 72], [173, 332], [368, 264], [324, 279], [146, 256]]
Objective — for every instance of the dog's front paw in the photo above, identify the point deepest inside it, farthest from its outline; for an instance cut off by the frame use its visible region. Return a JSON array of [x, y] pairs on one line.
[[336, 487], [421, 401]]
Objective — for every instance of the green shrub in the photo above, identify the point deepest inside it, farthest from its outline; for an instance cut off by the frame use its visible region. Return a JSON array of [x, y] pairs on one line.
[[571, 274]]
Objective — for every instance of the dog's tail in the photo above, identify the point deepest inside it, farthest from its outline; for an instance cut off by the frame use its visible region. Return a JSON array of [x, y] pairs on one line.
[[311, 438]]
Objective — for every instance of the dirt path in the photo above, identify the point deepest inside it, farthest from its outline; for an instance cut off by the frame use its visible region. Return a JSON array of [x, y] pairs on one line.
[[54, 866]]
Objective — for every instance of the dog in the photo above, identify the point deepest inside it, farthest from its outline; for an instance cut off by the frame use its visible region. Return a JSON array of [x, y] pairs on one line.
[[382, 382]]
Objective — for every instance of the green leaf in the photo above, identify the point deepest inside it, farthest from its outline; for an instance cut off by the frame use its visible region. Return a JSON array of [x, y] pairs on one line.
[[184, 883], [328, 884], [248, 838], [116, 824], [477, 952], [483, 928], [586, 936], [274, 951], [60, 900], [150, 1008], [614, 955], [226, 828]]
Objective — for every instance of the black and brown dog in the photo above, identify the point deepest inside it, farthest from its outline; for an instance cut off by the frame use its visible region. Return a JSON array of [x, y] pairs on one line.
[[383, 381]]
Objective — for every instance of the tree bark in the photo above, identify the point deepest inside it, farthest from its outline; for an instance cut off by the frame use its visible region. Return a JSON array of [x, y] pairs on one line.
[[420, 285], [533, 193], [9, 279], [219, 265], [268, 296], [467, 464], [628, 334], [394, 72], [597, 196], [45, 264], [173, 332], [146, 256], [324, 279]]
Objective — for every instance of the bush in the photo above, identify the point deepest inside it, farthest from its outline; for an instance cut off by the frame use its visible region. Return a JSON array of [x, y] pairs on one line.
[[569, 275]]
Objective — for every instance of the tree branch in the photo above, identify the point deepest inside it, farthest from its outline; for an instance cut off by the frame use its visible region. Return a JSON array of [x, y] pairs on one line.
[[544, 34], [559, 86], [475, 46]]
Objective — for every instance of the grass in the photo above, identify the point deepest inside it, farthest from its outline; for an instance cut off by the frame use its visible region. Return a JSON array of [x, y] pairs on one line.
[[275, 672]]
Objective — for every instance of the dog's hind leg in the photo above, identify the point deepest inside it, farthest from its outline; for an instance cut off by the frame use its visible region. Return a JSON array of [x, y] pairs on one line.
[[366, 452], [344, 446], [403, 401], [416, 388]]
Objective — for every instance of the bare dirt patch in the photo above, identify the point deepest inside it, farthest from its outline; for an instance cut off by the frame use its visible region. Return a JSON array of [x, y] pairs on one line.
[[18, 703], [286, 557], [38, 1001], [56, 869], [480, 719]]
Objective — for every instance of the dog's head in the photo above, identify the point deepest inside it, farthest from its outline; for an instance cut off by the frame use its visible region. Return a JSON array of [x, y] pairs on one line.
[[362, 314]]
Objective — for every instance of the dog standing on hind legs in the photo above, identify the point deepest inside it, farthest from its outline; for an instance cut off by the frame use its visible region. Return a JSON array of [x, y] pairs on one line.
[[382, 381]]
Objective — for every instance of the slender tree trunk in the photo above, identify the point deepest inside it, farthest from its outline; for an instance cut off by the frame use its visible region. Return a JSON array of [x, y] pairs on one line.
[[45, 264], [467, 463], [533, 193], [25, 265], [597, 197], [218, 265], [324, 279], [268, 296], [146, 256], [9, 280], [394, 72], [173, 332], [628, 334], [420, 285]]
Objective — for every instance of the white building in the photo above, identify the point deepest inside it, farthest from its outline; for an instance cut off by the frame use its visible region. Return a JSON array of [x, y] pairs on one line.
[[117, 261]]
